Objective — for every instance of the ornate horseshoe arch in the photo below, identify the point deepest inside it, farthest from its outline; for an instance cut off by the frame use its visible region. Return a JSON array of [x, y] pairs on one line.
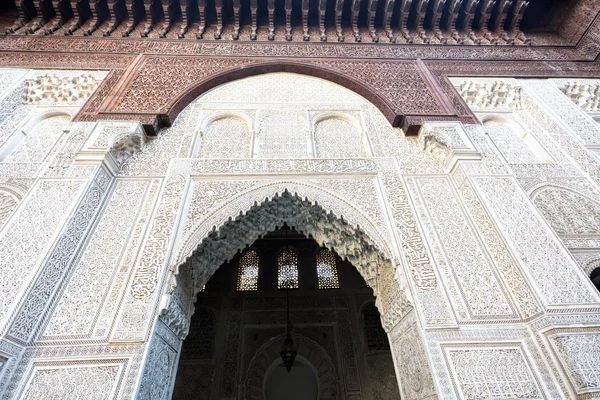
[[268, 353]]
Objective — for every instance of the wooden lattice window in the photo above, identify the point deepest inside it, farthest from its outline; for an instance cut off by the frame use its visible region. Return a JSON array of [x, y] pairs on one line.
[[248, 272], [327, 276], [287, 270], [375, 335]]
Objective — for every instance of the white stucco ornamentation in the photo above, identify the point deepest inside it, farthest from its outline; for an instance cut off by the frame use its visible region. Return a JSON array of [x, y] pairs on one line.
[[478, 240]]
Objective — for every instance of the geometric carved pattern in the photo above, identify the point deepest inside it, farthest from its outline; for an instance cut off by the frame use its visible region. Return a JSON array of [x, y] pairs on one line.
[[248, 271], [337, 138], [327, 276], [568, 213], [226, 138], [287, 270], [64, 383], [493, 374], [581, 355], [51, 88]]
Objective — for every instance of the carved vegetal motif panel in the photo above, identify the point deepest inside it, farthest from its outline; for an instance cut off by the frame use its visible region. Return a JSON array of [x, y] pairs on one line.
[[579, 355], [65, 88], [337, 138], [8, 203], [282, 134], [547, 262], [39, 140], [101, 262], [469, 272], [8, 78], [511, 142], [227, 137], [66, 382], [583, 92], [492, 373], [561, 108], [35, 228], [568, 212], [13, 112]]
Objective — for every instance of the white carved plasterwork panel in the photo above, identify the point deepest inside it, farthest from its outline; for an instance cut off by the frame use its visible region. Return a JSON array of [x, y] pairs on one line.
[[492, 161], [39, 140], [67, 382], [338, 138], [411, 361], [579, 354], [61, 160], [434, 302], [282, 134], [227, 137], [487, 94], [8, 203], [61, 87], [545, 259], [459, 251], [12, 112], [492, 373], [34, 228], [155, 157], [79, 305], [281, 88], [556, 136], [568, 212], [8, 77], [561, 108], [510, 143], [126, 357], [583, 92], [503, 258]]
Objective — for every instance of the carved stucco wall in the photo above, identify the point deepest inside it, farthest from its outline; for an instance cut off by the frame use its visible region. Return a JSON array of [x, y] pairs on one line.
[[109, 231]]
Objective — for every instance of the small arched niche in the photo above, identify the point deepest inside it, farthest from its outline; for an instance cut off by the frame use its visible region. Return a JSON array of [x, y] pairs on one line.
[[338, 136], [35, 139], [227, 135], [515, 143]]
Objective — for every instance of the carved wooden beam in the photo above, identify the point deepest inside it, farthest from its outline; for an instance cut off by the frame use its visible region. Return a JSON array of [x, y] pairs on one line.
[[485, 13], [453, 10], [322, 11], [202, 22], [271, 11], [372, 10], [184, 6], [116, 13], [499, 17], [387, 19], [153, 11], [253, 21], [219, 8], [403, 14], [26, 11], [516, 16], [44, 12], [170, 14], [288, 19], [305, 31], [62, 9], [420, 19], [354, 18], [237, 5], [436, 14], [339, 6], [81, 13], [135, 13], [468, 15]]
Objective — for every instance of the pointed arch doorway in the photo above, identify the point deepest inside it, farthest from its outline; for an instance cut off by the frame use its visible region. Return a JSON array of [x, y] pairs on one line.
[[239, 325]]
